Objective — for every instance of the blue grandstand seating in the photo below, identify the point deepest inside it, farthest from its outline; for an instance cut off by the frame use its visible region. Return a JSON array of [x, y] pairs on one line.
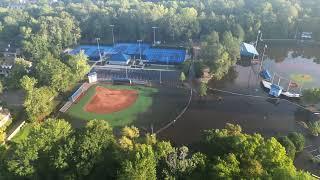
[[153, 55]]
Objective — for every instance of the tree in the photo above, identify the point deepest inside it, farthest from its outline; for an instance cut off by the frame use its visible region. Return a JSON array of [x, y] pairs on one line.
[[234, 154], [228, 167], [203, 89], [290, 148], [20, 68], [31, 155], [1, 87], [28, 83], [39, 101], [52, 72], [79, 65], [182, 77], [140, 163], [2, 135], [298, 140]]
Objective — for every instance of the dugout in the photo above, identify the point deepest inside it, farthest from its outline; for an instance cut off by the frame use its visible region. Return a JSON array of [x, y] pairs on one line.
[[121, 81]]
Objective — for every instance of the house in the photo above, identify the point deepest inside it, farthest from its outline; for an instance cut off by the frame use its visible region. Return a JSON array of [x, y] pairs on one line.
[[5, 116], [119, 59], [248, 50]]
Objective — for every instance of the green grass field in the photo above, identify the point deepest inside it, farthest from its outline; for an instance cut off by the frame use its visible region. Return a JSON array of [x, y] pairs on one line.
[[120, 118]]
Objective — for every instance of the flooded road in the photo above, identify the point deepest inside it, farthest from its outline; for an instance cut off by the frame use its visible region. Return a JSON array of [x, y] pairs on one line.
[[254, 114]]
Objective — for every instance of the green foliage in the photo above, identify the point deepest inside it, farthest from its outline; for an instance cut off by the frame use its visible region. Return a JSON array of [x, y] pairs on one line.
[[203, 89], [311, 95], [52, 72], [298, 140], [139, 164], [288, 144], [25, 156], [79, 66], [1, 87], [39, 101], [220, 56], [52, 150], [20, 68], [314, 127], [182, 77], [241, 155]]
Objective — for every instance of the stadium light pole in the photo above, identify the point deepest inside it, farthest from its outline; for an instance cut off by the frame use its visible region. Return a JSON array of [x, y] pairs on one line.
[[98, 39], [154, 34], [139, 41], [112, 26]]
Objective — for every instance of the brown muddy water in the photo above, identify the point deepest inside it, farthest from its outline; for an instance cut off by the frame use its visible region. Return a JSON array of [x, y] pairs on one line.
[[255, 115]]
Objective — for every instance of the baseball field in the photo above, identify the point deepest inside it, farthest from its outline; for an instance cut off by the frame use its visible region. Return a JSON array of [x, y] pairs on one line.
[[118, 104]]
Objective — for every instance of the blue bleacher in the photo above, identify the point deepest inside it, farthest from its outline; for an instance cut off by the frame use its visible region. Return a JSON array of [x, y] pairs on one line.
[[153, 55], [172, 56]]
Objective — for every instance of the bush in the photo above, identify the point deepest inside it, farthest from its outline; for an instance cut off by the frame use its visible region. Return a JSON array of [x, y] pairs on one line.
[[314, 127], [288, 145], [298, 140]]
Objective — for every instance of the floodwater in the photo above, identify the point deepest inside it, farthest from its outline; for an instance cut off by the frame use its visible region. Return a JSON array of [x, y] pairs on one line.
[[254, 114]]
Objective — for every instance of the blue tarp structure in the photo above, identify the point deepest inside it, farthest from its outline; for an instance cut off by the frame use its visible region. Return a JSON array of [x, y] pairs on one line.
[[248, 50], [265, 74], [131, 48], [92, 51], [163, 56], [152, 55], [119, 57], [275, 90]]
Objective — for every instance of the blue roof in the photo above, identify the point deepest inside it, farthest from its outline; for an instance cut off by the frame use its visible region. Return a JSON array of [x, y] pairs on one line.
[[153, 55], [165, 55], [119, 57], [131, 48], [248, 50], [92, 51]]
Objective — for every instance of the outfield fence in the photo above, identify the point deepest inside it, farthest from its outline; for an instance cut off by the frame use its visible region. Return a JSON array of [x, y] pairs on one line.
[[83, 88]]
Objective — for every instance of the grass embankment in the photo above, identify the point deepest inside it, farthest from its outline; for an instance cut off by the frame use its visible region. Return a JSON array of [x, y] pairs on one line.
[[120, 118], [23, 133]]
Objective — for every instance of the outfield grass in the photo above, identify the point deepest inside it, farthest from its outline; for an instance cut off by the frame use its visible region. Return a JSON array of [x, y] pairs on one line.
[[120, 118]]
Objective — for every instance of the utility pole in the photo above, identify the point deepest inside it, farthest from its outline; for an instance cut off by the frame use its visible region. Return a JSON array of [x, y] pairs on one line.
[[112, 26], [154, 34], [261, 63], [140, 41], [98, 39]]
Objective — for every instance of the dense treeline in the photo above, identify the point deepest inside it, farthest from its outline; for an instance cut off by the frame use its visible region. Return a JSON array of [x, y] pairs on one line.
[[53, 150], [133, 19], [51, 27]]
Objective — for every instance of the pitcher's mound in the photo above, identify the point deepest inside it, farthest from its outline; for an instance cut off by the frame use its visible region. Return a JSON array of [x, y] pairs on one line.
[[108, 100]]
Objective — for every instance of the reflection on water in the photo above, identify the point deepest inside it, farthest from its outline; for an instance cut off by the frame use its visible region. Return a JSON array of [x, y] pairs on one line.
[[262, 115], [294, 59]]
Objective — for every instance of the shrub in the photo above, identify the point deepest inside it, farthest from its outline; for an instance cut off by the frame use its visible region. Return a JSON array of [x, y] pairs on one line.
[[298, 140], [288, 145]]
